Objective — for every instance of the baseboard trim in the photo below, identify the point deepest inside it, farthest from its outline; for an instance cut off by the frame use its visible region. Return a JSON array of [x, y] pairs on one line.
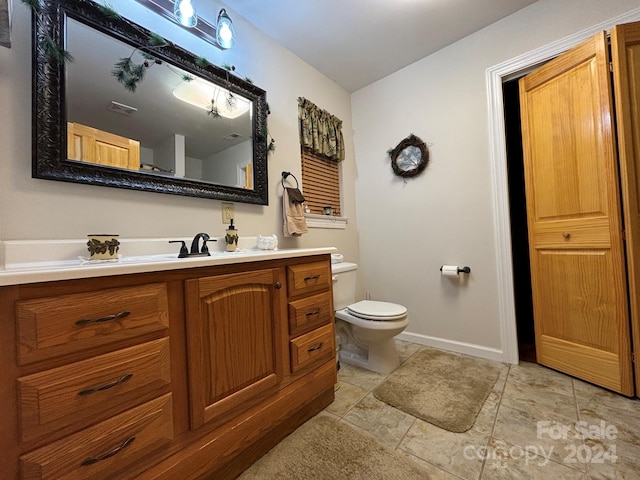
[[454, 346]]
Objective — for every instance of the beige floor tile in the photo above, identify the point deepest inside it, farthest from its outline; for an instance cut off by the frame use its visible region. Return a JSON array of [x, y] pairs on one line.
[[502, 379], [611, 459], [542, 378], [347, 396], [592, 397], [546, 405], [618, 471], [522, 396], [452, 452], [552, 439], [389, 425], [625, 425], [487, 416], [434, 472], [360, 377], [506, 462], [406, 349]]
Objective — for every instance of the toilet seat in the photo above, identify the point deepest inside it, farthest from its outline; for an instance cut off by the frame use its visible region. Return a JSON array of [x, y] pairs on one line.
[[377, 311]]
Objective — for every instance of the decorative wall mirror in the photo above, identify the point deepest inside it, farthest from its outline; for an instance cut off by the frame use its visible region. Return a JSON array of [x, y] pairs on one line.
[[410, 157], [91, 125]]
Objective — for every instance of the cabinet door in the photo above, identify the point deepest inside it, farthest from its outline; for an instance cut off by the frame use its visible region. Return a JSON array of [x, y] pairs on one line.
[[235, 339]]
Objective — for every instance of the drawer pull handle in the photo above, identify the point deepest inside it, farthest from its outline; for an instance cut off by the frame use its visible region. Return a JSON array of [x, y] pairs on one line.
[[566, 235], [317, 347], [116, 316], [111, 453], [315, 312], [106, 386], [311, 277]]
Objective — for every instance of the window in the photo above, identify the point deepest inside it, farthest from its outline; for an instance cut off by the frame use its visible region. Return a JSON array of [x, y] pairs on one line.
[[322, 149], [320, 183]]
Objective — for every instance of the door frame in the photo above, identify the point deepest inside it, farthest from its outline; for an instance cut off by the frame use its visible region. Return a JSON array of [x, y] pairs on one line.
[[498, 159]]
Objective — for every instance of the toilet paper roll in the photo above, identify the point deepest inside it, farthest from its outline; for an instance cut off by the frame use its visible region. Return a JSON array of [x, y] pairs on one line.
[[450, 271]]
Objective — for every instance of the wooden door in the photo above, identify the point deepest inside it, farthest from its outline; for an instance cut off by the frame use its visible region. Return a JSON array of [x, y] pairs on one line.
[[236, 341], [97, 146], [625, 49], [578, 271]]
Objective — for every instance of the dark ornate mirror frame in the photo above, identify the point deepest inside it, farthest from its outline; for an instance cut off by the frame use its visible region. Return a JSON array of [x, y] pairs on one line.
[[49, 111], [410, 141]]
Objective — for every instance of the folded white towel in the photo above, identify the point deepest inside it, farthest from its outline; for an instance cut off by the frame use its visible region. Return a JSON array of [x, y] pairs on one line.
[[337, 258], [293, 213]]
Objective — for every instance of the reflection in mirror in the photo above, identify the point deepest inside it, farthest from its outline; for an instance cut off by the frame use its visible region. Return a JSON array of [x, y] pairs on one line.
[[169, 122], [141, 116]]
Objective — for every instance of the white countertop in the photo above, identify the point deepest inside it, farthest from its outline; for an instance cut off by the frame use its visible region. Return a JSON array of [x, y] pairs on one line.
[[20, 266]]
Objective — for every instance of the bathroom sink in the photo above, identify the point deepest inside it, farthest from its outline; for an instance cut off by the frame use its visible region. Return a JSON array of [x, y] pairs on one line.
[[164, 257]]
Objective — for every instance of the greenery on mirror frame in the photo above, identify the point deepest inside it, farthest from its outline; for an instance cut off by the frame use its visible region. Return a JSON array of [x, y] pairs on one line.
[[130, 74], [49, 45]]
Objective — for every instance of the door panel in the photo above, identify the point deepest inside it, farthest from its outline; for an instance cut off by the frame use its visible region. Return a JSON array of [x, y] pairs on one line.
[[573, 211], [625, 48], [234, 327]]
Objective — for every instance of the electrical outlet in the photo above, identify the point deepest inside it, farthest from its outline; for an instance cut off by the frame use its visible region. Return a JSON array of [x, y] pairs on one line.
[[227, 212]]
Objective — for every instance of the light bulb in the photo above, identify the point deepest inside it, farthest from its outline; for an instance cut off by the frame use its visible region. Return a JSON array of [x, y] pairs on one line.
[[225, 33], [185, 13]]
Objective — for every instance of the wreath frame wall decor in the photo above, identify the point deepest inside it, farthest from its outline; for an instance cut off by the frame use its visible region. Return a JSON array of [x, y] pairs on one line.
[[410, 157]]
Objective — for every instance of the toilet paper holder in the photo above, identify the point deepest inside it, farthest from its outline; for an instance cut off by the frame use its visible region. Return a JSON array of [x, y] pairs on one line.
[[461, 269]]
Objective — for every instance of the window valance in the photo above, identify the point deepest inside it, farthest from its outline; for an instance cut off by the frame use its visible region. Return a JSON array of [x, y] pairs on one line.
[[320, 131]]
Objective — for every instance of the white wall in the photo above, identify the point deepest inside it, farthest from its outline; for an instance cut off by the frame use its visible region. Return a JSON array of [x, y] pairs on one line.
[[445, 215], [223, 166], [43, 209]]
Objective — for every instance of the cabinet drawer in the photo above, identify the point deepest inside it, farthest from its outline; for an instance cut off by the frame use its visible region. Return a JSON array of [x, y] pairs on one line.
[[105, 449], [312, 348], [55, 326], [309, 313], [92, 390], [308, 278]]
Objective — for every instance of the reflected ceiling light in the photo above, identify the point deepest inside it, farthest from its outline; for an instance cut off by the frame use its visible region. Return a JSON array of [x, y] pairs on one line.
[[225, 33], [185, 13], [203, 94]]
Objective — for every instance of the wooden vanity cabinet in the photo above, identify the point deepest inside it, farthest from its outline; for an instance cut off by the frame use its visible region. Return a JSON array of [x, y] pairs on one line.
[[192, 373], [234, 341]]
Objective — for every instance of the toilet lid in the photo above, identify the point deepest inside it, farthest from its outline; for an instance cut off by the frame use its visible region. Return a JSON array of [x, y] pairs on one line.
[[373, 310]]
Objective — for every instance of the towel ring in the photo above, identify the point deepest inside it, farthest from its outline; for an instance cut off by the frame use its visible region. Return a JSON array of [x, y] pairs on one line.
[[287, 174]]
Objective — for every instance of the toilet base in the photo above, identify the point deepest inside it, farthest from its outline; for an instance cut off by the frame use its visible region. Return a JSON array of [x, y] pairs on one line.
[[381, 357]]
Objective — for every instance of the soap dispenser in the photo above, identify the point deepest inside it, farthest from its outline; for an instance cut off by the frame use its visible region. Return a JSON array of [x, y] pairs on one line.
[[231, 238]]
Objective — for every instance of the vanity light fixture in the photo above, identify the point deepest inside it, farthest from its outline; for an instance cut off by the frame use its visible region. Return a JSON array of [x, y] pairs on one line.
[[178, 10], [185, 13], [225, 33]]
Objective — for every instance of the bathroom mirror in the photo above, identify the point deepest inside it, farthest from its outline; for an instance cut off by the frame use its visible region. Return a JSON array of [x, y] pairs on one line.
[[185, 127], [410, 157]]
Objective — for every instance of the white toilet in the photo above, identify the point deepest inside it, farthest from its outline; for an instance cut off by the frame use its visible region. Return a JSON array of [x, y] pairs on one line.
[[366, 329]]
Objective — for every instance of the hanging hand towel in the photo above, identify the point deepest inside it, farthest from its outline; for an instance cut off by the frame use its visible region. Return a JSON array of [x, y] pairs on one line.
[[293, 213], [295, 195]]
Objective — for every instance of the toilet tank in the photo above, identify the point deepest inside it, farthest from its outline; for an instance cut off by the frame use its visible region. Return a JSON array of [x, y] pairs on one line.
[[344, 284]]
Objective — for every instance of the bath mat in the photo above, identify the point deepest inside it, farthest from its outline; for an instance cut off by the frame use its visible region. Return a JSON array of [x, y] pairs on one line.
[[326, 449], [445, 389]]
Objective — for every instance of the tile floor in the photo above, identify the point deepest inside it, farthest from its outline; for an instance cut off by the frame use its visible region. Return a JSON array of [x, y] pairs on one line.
[[536, 424]]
